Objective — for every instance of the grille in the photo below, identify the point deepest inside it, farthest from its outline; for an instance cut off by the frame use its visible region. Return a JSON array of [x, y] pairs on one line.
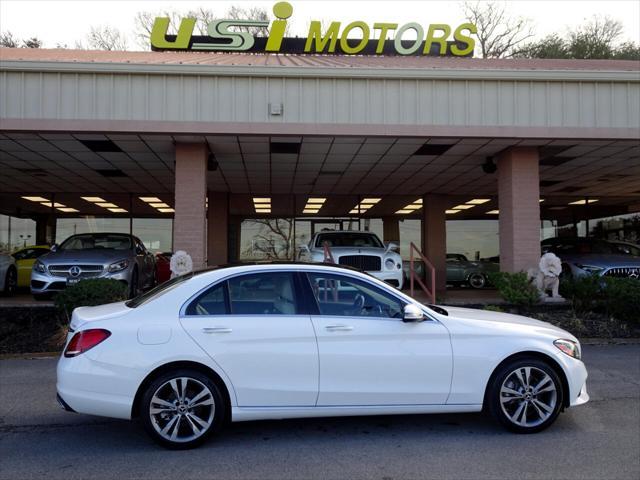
[[368, 263], [623, 272], [86, 271]]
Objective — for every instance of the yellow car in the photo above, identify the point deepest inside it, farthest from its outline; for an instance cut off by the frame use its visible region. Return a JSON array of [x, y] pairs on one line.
[[25, 258]]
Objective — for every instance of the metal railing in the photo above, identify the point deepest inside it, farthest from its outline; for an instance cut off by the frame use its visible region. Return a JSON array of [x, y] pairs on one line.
[[413, 277], [328, 256]]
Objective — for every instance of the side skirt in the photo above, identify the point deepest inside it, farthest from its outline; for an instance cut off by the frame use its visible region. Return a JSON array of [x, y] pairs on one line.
[[243, 414]]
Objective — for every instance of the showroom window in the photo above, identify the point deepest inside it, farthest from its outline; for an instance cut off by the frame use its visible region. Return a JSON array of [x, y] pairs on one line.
[[16, 233]]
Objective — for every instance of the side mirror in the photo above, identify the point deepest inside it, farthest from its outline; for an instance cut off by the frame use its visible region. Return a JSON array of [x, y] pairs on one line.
[[391, 246], [412, 313], [54, 247]]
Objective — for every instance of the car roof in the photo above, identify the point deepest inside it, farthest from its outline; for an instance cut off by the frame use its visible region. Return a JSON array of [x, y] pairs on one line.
[[280, 263]]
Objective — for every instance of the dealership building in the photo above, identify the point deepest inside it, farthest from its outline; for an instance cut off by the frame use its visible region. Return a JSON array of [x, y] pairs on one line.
[[195, 151]]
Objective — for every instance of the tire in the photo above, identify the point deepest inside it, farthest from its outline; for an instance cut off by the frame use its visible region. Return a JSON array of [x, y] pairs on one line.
[[189, 427], [519, 408], [477, 280], [10, 281], [133, 286]]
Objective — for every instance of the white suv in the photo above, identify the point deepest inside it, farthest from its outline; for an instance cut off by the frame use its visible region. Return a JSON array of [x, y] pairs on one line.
[[361, 250]]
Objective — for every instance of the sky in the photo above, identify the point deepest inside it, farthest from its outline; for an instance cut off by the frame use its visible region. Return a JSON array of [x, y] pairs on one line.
[[67, 21]]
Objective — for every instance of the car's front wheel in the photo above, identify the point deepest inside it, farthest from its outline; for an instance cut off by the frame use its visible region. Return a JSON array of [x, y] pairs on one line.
[[10, 281], [526, 395], [181, 409]]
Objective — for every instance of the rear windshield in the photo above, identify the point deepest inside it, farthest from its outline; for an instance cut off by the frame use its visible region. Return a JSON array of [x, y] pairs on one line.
[[97, 241], [160, 290], [351, 239]]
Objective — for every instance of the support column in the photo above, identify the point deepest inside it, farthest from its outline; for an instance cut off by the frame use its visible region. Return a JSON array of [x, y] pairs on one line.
[[434, 237], [189, 224], [391, 230], [519, 205], [45, 229], [217, 229]]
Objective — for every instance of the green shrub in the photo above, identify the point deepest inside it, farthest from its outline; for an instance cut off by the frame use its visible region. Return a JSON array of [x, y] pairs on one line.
[[90, 292], [621, 297], [584, 292], [515, 288], [493, 308]]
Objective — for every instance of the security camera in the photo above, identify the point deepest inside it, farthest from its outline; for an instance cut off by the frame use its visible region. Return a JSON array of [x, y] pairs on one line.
[[488, 166]]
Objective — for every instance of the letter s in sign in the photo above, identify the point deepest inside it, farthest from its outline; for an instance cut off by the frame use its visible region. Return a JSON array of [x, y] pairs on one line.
[[239, 41]]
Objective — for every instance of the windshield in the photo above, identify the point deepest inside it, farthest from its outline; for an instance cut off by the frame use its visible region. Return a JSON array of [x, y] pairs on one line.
[[349, 239], [627, 249], [93, 241]]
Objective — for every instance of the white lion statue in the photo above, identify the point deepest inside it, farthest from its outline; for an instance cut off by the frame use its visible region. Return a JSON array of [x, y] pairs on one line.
[[180, 264], [547, 276]]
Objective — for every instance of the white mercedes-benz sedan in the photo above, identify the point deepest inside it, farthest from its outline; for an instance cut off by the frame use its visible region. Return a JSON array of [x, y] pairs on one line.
[[275, 341]]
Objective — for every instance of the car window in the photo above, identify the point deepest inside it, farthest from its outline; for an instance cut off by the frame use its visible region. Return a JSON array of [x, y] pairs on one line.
[[345, 296], [627, 249], [211, 302], [24, 254], [269, 293]]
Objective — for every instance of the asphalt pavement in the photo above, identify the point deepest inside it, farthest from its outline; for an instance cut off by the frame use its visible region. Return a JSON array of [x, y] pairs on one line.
[[595, 441]]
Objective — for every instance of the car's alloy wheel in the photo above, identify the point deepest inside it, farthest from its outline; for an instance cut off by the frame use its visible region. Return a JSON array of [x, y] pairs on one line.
[[182, 409], [526, 396], [10, 281], [477, 280]]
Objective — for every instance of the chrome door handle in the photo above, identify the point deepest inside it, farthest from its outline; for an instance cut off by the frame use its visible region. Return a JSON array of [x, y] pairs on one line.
[[216, 330], [339, 328]]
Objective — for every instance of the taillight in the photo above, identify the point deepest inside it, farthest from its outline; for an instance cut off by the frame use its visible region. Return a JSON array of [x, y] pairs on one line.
[[85, 340]]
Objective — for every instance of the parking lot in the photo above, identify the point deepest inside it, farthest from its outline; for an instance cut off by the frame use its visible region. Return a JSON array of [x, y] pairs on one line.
[[599, 440]]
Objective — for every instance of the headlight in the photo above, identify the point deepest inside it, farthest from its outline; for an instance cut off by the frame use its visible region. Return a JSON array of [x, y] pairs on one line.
[[116, 267], [590, 268], [390, 264], [569, 347], [39, 267]]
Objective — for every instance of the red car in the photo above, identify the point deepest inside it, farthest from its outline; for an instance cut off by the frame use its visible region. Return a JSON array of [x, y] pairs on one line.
[[163, 272]]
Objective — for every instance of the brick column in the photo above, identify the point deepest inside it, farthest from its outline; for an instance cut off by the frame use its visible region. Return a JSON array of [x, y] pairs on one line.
[[434, 237], [217, 229], [189, 226], [519, 204]]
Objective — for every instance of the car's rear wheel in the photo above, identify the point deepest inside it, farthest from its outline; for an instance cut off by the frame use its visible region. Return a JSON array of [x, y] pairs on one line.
[[182, 408], [526, 395], [10, 281], [477, 280]]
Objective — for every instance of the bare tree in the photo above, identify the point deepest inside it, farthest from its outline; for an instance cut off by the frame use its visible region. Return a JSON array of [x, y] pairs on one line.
[[273, 240], [499, 34], [596, 38], [7, 39], [32, 42], [253, 13], [106, 38]]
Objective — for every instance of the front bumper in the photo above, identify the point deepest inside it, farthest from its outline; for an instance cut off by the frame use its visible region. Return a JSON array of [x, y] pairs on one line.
[[576, 374], [47, 283]]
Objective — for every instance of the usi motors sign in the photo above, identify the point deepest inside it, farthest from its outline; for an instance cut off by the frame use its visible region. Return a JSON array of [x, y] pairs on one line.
[[355, 38]]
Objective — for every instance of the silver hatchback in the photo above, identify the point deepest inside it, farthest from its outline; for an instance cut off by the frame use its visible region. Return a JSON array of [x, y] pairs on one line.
[[94, 255]]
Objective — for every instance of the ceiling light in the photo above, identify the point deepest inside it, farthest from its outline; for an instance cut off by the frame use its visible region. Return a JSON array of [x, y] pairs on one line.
[[117, 210], [404, 211], [67, 209], [261, 200], [150, 199], [372, 201], [462, 207], [107, 205], [478, 201], [159, 205], [94, 199], [354, 211], [311, 210], [316, 200], [541, 200], [583, 202], [451, 212], [52, 204], [36, 199], [493, 212], [413, 207], [263, 210], [166, 210]]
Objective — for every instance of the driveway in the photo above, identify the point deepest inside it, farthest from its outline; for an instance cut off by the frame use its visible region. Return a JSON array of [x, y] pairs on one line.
[[599, 440]]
